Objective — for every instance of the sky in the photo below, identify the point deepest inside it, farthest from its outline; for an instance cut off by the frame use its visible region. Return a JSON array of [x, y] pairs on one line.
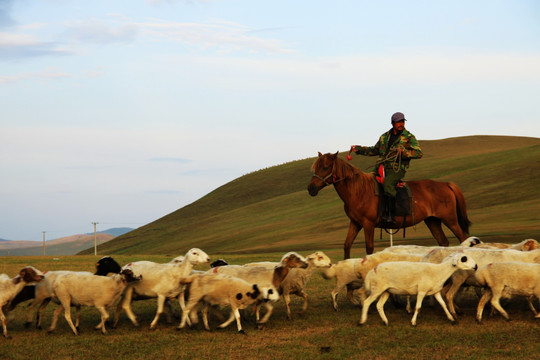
[[121, 112]]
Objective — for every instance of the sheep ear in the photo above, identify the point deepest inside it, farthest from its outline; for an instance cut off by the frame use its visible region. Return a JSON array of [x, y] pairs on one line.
[[17, 279]]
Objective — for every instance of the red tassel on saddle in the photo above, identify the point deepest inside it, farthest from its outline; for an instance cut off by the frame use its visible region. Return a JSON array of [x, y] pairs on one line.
[[380, 174]]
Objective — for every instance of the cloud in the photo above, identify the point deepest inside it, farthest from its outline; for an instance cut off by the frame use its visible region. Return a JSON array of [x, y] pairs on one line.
[[101, 32], [16, 46], [224, 36], [46, 74]]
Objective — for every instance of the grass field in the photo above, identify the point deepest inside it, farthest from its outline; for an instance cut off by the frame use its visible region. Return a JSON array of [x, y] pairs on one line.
[[321, 333]]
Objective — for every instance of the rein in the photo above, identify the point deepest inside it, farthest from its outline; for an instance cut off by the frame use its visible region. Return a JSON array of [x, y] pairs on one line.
[[324, 179]]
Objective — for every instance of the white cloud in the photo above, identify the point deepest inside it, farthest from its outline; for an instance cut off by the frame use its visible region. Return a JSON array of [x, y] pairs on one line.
[[45, 74]]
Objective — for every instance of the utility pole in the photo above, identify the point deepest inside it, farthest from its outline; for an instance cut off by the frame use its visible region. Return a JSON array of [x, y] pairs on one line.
[[95, 239], [43, 242]]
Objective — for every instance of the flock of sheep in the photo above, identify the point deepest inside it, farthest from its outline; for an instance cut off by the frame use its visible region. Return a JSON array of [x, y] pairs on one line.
[[501, 270]]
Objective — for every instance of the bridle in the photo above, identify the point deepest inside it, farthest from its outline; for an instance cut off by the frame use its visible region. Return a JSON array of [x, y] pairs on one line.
[[331, 176], [324, 179]]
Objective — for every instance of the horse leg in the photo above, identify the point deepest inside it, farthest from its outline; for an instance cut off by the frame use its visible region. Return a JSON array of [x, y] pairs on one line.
[[369, 236], [434, 225], [456, 229], [354, 228]]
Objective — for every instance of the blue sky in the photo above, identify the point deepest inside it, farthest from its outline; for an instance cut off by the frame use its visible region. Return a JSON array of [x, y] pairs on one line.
[[121, 112]]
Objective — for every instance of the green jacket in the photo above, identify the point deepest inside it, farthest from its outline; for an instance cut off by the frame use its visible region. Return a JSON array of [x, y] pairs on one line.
[[386, 152]]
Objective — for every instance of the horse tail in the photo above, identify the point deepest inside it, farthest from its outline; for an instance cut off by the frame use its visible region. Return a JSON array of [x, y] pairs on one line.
[[461, 209]]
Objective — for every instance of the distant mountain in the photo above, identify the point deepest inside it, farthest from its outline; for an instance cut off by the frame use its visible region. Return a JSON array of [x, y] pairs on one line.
[[68, 245], [115, 231]]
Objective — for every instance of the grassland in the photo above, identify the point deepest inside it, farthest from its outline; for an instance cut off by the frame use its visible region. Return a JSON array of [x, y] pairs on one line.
[[270, 210], [261, 215], [321, 333]]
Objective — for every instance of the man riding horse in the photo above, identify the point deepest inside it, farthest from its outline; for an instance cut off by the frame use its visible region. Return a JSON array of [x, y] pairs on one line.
[[395, 149]]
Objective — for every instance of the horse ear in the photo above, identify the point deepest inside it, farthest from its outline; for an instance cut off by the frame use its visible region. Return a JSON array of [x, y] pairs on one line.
[[335, 155], [320, 154]]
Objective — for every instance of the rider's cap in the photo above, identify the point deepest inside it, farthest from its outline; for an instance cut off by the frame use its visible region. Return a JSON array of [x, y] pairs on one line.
[[398, 117]]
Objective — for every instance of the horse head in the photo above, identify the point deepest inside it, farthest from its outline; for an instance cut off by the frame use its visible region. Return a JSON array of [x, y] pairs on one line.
[[322, 173]]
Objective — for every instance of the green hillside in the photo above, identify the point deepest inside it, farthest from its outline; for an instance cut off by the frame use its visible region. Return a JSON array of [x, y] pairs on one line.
[[271, 211]]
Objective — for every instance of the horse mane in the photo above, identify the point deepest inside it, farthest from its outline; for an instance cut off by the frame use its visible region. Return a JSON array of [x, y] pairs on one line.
[[360, 180], [342, 170]]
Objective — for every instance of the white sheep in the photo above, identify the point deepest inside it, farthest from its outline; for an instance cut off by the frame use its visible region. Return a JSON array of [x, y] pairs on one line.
[[223, 290], [44, 294], [471, 241], [263, 276], [161, 281], [525, 245], [411, 278], [85, 289], [9, 288], [345, 275], [482, 257], [505, 280], [352, 272]]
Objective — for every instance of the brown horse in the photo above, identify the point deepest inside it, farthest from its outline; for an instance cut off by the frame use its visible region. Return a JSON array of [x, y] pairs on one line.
[[434, 202]]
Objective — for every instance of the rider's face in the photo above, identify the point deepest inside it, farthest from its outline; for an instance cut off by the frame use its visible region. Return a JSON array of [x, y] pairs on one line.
[[398, 125]]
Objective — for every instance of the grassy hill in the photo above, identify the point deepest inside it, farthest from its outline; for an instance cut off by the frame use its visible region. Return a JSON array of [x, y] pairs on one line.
[[271, 211]]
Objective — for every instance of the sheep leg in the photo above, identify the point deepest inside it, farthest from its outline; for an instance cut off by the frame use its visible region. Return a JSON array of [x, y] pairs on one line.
[[125, 304], [169, 313], [104, 318], [238, 322], [67, 315], [56, 313], [451, 293], [334, 294], [361, 292], [39, 315], [380, 306], [409, 307], [497, 305], [270, 309], [205, 316], [30, 312], [228, 321], [365, 306], [182, 303], [160, 303], [306, 300], [287, 299], [4, 323], [185, 312], [483, 301], [530, 300], [439, 298], [78, 316], [419, 299]]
